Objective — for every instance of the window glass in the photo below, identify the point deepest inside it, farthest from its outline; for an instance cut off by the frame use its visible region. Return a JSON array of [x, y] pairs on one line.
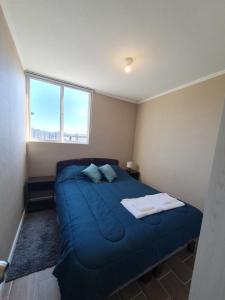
[[76, 114], [58, 113], [44, 110]]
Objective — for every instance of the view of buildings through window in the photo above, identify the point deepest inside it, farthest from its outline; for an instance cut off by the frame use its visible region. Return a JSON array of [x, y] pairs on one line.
[[58, 112]]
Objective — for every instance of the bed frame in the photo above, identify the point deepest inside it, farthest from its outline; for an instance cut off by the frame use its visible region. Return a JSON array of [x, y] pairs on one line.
[[157, 269], [84, 162]]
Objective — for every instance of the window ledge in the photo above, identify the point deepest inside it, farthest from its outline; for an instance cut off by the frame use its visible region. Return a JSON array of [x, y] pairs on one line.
[[56, 142]]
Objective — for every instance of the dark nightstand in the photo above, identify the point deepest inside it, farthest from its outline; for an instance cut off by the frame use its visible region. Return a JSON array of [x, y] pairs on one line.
[[40, 193], [134, 173]]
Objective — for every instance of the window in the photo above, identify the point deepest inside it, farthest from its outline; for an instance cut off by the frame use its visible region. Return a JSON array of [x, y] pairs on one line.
[[58, 112]]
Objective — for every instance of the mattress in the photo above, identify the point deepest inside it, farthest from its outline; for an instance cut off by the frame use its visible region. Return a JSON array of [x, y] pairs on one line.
[[102, 245]]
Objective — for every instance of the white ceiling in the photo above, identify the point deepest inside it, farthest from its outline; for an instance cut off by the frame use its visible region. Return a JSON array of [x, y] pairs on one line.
[[173, 42]]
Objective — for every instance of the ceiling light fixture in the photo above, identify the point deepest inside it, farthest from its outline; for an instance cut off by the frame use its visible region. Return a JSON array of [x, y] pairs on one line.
[[128, 61]]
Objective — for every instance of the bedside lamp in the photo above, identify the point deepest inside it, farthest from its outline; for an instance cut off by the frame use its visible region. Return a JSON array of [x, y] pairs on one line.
[[130, 165]]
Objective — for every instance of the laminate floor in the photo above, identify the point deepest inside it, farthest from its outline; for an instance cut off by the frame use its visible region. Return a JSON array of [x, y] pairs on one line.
[[172, 283]]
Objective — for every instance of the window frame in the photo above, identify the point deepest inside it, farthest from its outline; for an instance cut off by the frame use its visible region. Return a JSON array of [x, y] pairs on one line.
[[61, 84]]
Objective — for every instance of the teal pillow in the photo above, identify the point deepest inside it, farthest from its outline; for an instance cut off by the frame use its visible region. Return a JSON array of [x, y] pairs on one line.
[[93, 173], [108, 172]]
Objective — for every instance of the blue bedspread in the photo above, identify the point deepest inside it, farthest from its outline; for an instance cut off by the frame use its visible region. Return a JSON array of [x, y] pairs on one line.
[[102, 245]]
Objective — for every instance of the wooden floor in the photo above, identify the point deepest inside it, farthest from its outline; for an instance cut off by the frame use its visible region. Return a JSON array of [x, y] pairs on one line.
[[172, 284]]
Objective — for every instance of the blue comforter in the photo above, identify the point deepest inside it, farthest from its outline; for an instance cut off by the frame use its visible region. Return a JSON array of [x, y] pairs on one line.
[[102, 245]]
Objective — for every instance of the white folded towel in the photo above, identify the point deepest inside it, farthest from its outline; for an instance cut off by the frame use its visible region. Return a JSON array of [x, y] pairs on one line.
[[150, 204]]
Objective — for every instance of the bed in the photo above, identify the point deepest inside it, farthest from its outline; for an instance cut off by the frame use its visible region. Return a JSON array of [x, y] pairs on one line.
[[102, 245]]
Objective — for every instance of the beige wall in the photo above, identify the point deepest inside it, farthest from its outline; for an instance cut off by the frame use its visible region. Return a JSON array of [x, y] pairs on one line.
[[12, 137], [111, 135], [175, 139]]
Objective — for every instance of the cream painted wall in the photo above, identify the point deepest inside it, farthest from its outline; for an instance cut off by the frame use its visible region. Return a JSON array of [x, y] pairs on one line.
[[175, 139], [12, 137], [111, 135]]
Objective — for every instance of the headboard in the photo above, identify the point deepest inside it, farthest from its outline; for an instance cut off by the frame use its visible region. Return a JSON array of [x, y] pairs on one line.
[[84, 161]]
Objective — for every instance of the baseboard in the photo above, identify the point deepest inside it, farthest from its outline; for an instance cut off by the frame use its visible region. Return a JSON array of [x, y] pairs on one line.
[[16, 238], [13, 248]]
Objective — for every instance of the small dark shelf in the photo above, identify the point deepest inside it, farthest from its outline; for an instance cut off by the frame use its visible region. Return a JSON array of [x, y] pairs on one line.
[[41, 179], [40, 193], [134, 173]]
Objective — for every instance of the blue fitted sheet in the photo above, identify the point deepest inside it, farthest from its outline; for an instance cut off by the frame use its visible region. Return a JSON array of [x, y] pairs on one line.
[[102, 245]]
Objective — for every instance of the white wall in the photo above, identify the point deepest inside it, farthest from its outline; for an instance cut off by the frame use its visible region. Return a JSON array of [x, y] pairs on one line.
[[209, 273], [12, 139]]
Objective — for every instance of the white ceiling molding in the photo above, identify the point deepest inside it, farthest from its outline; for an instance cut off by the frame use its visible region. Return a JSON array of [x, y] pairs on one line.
[[12, 29], [202, 79], [117, 97], [86, 42], [58, 80]]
